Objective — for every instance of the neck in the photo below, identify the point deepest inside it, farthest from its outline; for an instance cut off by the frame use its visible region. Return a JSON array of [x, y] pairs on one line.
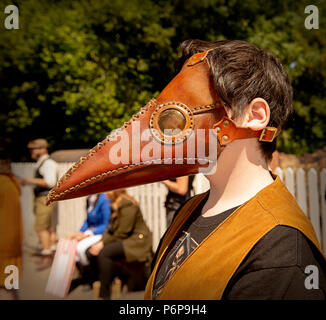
[[241, 172]]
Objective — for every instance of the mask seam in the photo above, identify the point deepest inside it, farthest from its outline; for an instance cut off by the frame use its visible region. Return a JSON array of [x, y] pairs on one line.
[[71, 189]]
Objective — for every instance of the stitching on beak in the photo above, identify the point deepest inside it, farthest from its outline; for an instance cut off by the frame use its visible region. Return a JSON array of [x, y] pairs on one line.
[[52, 196]]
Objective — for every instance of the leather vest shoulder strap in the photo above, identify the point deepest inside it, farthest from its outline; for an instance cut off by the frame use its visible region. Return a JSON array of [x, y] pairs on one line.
[[184, 213], [286, 210]]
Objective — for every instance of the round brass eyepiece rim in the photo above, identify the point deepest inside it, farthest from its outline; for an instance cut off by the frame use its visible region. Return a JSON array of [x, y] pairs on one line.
[[176, 138]]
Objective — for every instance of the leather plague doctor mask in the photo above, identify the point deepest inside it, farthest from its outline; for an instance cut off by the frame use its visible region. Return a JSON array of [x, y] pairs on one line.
[[171, 136]]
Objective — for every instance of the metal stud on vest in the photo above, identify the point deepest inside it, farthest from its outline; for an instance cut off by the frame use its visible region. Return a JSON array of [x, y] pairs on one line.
[[179, 133]]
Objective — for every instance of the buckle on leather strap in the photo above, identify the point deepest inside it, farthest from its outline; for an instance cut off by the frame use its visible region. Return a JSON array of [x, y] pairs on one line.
[[268, 134]]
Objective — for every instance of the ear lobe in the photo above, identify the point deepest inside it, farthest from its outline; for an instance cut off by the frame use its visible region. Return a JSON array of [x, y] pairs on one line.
[[258, 114]]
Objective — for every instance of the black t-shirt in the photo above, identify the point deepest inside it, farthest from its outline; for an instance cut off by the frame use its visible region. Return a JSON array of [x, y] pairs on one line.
[[273, 269]]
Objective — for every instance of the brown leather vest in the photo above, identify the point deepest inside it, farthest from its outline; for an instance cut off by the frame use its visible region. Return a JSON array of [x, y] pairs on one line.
[[207, 270]]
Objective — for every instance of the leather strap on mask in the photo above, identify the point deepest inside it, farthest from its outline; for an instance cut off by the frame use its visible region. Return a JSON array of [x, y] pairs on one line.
[[227, 131]]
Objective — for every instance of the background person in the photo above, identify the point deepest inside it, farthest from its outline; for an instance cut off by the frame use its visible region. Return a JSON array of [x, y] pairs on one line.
[[98, 216], [44, 180], [128, 239], [179, 192], [11, 229]]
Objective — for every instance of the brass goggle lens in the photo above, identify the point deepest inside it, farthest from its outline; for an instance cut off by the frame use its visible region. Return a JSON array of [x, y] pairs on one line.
[[171, 122]]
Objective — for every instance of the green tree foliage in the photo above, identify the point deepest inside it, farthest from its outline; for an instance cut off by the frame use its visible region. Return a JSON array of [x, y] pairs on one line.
[[75, 70]]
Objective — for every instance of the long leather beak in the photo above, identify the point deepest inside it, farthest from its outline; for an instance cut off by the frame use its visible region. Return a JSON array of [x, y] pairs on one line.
[[100, 170]]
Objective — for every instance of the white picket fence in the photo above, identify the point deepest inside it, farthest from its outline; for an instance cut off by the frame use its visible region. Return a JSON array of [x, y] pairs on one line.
[[308, 188]]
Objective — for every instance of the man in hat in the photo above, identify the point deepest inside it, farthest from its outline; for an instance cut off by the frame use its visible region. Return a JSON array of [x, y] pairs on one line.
[[44, 179]]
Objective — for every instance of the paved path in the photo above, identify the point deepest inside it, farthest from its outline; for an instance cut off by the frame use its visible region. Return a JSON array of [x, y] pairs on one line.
[[33, 283]]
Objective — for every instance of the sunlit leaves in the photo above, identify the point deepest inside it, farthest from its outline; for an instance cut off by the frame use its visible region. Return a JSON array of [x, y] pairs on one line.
[[76, 70]]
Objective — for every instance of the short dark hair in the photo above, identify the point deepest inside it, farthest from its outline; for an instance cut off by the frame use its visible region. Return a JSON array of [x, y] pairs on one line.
[[241, 72]]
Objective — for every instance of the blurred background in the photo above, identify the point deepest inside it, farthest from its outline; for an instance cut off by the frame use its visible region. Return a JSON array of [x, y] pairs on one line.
[[75, 70]]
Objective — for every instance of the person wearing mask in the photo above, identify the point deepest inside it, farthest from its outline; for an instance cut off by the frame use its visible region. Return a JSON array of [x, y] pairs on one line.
[[246, 238]]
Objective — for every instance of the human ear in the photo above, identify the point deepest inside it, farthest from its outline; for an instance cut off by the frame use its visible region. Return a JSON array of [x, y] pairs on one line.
[[257, 114]]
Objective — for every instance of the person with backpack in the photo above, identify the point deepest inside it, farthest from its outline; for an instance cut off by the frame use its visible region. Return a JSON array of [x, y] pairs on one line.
[[45, 178]]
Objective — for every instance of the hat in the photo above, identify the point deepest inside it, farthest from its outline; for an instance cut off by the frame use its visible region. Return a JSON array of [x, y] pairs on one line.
[[37, 144]]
